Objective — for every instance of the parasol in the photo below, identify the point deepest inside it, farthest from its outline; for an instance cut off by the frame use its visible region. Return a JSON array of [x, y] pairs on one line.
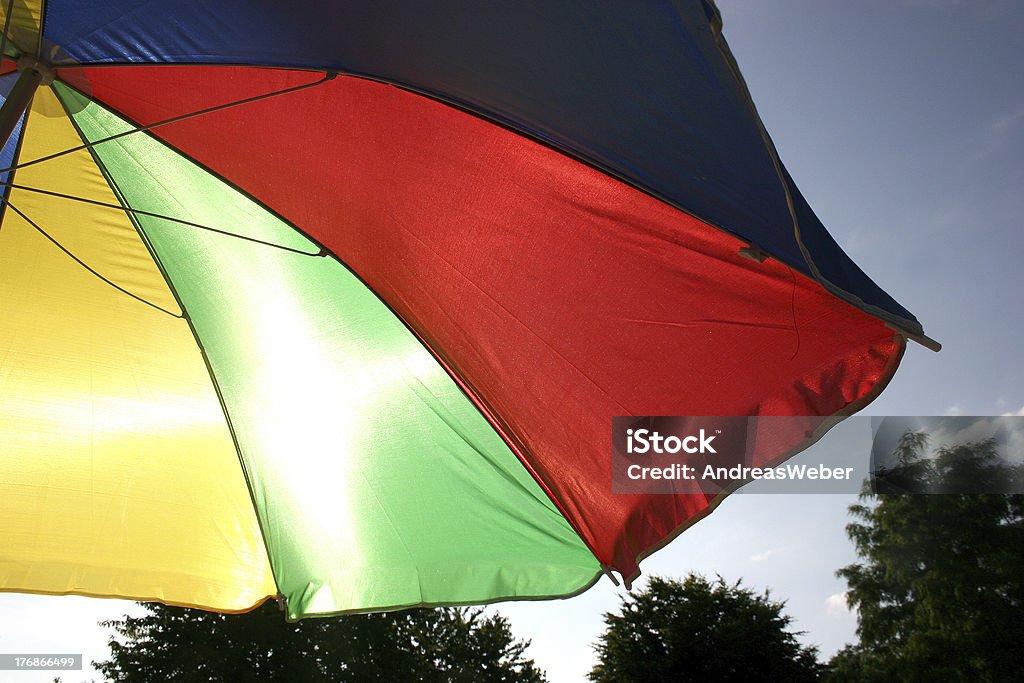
[[334, 302]]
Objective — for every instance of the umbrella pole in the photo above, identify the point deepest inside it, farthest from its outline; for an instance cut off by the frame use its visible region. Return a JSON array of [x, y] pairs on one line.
[[32, 75]]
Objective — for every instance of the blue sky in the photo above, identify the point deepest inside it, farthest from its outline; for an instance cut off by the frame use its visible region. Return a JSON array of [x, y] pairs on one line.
[[903, 125]]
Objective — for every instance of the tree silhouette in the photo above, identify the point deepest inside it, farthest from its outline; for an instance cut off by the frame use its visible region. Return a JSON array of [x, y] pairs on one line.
[[940, 585], [697, 630], [446, 644]]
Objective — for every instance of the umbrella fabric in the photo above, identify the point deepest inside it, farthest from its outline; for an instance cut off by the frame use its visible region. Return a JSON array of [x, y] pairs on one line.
[[336, 303]]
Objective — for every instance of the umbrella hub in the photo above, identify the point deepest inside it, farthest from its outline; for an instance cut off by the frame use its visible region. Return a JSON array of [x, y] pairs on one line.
[[45, 71], [31, 74]]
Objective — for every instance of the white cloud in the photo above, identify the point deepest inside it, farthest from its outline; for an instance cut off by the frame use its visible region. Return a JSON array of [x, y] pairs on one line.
[[1007, 122], [835, 606], [997, 135], [953, 410], [761, 557], [1019, 413]]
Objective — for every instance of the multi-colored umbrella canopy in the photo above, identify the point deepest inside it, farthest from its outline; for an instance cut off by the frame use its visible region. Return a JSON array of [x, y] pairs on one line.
[[335, 301]]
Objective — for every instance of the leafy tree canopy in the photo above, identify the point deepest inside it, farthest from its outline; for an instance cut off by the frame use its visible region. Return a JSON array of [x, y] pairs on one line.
[[940, 585], [447, 644], [698, 630]]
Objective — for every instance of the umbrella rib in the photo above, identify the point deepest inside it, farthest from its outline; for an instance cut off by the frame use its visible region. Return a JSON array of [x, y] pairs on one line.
[[87, 266], [179, 221], [7, 27], [174, 119]]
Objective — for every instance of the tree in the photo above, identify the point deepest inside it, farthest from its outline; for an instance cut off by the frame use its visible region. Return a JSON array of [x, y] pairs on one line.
[[940, 586], [697, 630], [447, 644]]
